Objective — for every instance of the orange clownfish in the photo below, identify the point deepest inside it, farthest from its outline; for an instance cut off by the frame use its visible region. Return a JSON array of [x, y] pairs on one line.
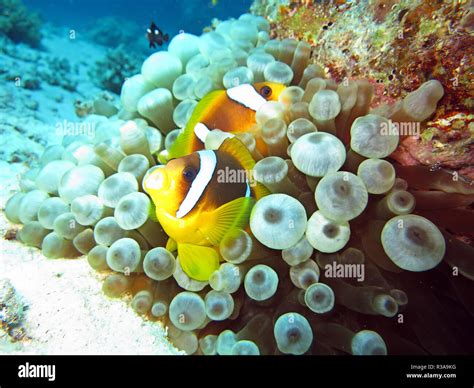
[[200, 197], [232, 110]]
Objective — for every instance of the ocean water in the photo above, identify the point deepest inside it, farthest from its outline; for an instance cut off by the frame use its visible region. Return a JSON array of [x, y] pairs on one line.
[[170, 16]]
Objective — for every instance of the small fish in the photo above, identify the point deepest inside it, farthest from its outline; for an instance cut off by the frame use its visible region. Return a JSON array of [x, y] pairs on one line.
[[199, 198], [155, 36], [232, 110]]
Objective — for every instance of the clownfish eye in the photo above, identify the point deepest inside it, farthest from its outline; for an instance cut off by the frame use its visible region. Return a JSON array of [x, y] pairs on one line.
[[266, 91], [189, 173]]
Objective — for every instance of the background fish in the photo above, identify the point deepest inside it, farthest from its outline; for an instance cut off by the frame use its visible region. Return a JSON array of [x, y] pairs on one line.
[[232, 110], [198, 200], [155, 35]]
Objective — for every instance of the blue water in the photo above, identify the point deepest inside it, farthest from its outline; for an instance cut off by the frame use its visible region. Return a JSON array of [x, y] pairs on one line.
[[170, 15]]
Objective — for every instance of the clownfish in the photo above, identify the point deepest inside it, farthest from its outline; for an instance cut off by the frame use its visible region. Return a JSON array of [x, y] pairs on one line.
[[232, 110], [199, 198]]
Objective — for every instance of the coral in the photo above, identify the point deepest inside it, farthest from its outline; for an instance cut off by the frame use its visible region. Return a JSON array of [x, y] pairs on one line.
[[339, 203], [397, 46], [58, 72], [111, 72], [19, 23]]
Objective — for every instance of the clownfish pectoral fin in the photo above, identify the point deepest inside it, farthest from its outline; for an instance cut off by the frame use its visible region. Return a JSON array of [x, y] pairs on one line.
[[171, 245], [234, 214], [198, 262]]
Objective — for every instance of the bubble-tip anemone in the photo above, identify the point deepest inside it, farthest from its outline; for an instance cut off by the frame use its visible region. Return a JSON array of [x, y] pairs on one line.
[[318, 153], [261, 282], [327, 235], [341, 196], [161, 69], [373, 137], [413, 243], [79, 181], [219, 305], [319, 298], [124, 255], [278, 221], [187, 311], [293, 334], [159, 263], [368, 343]]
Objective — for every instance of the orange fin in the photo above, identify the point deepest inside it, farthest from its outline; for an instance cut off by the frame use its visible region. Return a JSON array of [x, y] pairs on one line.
[[234, 214], [198, 262]]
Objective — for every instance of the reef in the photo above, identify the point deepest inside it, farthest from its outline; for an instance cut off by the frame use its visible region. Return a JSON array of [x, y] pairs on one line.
[[19, 23], [57, 72], [111, 72], [395, 45], [351, 253]]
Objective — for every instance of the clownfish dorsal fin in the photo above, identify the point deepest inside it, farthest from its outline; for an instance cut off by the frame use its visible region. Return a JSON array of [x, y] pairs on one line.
[[260, 190], [234, 147], [182, 144], [234, 214], [198, 262]]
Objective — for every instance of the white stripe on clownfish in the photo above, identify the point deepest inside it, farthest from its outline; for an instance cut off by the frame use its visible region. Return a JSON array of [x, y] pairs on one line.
[[208, 163], [201, 131], [246, 95]]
